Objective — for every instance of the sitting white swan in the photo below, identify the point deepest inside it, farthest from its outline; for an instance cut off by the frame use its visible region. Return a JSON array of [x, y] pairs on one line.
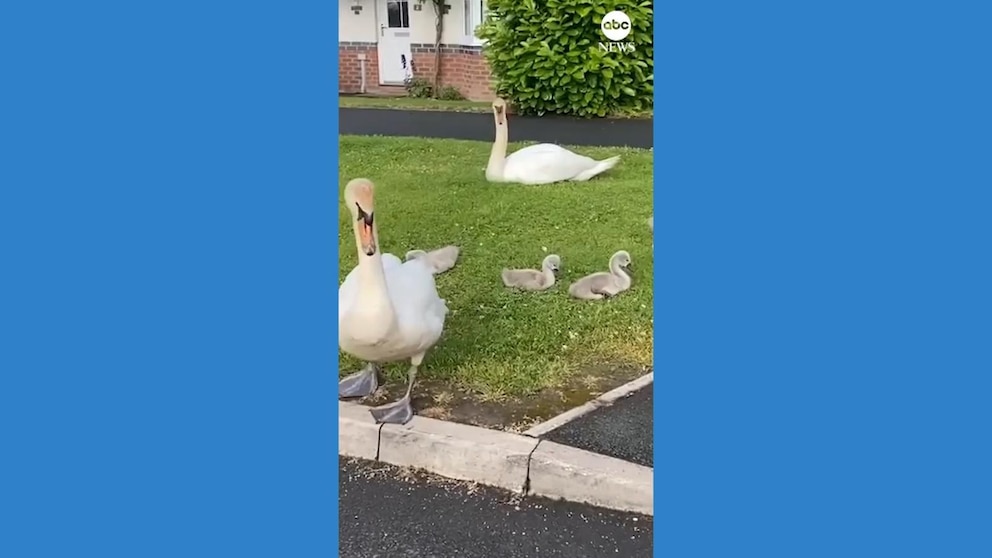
[[387, 310], [543, 163]]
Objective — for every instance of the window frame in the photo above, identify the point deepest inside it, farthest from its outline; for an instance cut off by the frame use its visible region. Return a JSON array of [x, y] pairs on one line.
[[470, 7]]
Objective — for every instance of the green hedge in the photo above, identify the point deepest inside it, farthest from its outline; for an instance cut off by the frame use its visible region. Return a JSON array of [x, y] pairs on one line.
[[546, 58]]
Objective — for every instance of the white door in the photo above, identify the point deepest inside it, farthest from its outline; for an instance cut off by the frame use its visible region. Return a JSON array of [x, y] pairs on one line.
[[395, 59]]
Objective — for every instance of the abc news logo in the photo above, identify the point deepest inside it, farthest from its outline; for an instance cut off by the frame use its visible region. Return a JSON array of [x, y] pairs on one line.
[[615, 27]]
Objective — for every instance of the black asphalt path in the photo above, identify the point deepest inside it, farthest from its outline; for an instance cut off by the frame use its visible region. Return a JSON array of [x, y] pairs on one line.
[[624, 132], [387, 512], [624, 430]]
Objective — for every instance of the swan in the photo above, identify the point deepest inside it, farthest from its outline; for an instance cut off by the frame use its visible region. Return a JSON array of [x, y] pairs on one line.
[[604, 284], [388, 310], [532, 279], [440, 260], [543, 163]]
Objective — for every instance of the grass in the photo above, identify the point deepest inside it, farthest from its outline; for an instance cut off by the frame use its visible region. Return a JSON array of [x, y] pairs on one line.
[[416, 103], [499, 343], [413, 103]]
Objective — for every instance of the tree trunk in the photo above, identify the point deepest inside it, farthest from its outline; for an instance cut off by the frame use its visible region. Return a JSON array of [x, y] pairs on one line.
[[439, 29]]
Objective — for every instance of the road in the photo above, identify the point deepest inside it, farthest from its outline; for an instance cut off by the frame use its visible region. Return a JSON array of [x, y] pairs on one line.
[[624, 430], [629, 132], [388, 512]]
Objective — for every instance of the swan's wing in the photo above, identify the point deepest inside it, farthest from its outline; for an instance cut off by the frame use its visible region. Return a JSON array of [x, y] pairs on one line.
[[595, 282], [528, 279], [541, 148], [544, 163], [390, 261], [521, 276], [420, 311]]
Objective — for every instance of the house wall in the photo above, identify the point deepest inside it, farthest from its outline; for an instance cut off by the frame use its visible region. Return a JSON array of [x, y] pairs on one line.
[[359, 27], [423, 23], [462, 66]]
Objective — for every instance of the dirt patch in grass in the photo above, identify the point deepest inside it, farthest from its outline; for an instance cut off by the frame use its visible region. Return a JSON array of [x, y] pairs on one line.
[[442, 401]]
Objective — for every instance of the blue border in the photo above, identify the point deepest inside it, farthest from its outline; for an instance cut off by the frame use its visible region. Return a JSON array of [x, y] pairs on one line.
[[168, 361], [823, 279], [168, 240]]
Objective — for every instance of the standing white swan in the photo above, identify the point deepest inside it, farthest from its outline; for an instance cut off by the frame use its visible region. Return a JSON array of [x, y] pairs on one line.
[[543, 163], [388, 310]]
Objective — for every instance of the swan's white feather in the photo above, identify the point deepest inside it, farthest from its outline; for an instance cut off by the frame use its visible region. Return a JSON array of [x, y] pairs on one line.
[[545, 163], [419, 310]]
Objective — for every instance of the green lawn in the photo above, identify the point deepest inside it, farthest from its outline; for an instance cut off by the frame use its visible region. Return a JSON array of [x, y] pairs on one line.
[[499, 343], [413, 103]]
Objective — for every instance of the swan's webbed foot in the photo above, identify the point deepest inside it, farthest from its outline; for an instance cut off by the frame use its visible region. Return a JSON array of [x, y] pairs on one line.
[[397, 412], [360, 384]]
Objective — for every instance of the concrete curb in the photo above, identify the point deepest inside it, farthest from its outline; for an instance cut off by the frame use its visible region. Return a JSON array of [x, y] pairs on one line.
[[357, 431], [459, 451], [519, 463], [604, 400], [561, 471]]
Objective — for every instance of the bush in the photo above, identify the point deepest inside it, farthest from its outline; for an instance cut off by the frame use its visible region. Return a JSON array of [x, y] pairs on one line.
[[419, 87], [546, 56], [449, 93]]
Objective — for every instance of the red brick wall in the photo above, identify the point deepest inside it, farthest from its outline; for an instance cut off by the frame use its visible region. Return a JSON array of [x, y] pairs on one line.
[[462, 67], [350, 69]]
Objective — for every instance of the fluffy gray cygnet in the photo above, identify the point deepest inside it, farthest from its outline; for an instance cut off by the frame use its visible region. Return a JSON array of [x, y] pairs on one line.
[[532, 279], [439, 260], [604, 284]]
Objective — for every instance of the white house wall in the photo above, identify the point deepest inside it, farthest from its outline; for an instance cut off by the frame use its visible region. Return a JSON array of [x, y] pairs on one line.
[[363, 27], [422, 24], [360, 28]]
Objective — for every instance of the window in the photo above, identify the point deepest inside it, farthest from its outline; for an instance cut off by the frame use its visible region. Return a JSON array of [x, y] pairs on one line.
[[398, 14], [475, 12]]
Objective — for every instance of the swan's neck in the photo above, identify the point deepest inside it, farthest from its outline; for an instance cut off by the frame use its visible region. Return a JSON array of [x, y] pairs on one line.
[[621, 275], [549, 276], [497, 157], [372, 287], [373, 294]]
